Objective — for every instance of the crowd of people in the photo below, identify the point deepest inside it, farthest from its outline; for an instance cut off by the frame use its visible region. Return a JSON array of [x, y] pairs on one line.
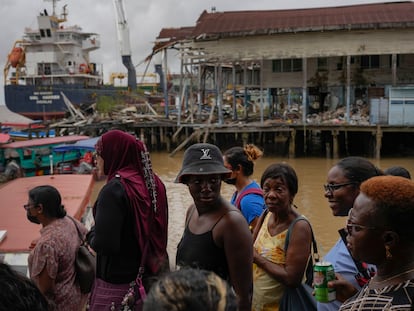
[[239, 253]]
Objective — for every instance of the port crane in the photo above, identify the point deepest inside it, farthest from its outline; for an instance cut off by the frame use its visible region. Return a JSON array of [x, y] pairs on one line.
[[124, 43]]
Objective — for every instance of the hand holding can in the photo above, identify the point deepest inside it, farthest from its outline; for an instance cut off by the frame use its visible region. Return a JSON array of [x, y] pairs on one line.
[[323, 272]]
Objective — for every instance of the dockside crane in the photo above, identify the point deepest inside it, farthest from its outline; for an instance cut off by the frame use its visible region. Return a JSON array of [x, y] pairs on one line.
[[125, 47]]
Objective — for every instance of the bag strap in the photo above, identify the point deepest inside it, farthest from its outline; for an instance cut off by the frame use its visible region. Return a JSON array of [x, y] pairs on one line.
[[77, 229], [315, 253], [246, 192], [259, 224], [141, 268], [361, 266], [314, 257]]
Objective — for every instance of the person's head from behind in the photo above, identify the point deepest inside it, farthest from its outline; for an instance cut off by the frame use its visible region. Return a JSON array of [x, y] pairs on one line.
[[240, 160], [118, 150], [190, 290], [279, 183], [44, 202], [19, 293], [202, 171], [380, 226], [343, 182], [398, 171]]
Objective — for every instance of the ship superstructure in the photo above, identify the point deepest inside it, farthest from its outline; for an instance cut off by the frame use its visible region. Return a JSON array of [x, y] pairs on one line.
[[49, 60]]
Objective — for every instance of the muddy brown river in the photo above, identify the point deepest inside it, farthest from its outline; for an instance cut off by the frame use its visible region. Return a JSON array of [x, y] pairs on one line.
[[310, 198]]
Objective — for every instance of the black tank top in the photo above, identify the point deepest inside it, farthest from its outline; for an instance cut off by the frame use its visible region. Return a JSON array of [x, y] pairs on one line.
[[200, 251]]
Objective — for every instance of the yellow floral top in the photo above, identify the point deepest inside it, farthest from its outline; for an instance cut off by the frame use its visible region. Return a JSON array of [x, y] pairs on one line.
[[267, 291]]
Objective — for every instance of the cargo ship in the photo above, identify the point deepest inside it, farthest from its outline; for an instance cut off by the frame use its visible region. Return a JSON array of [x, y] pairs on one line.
[[50, 66]]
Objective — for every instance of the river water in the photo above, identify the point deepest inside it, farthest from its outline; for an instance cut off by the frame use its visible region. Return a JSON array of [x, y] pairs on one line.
[[310, 198]]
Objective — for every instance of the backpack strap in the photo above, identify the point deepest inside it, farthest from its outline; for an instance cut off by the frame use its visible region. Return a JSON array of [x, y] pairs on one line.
[[246, 192]]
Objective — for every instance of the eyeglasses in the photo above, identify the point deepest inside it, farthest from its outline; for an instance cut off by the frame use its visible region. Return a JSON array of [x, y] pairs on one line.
[[351, 228], [334, 187], [28, 206]]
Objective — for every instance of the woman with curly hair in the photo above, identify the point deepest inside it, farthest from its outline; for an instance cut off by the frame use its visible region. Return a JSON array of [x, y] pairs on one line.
[[191, 289], [248, 197]]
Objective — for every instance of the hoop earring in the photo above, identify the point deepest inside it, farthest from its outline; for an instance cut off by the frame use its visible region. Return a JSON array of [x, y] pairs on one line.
[[388, 254]]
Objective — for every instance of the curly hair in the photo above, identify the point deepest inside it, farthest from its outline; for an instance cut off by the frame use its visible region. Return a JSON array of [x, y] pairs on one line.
[[190, 289], [243, 156], [394, 201]]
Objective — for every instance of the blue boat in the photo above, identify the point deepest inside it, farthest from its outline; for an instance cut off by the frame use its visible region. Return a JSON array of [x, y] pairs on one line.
[[83, 148], [81, 145]]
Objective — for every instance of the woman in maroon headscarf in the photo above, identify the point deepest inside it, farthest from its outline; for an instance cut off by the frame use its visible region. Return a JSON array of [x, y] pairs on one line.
[[131, 219]]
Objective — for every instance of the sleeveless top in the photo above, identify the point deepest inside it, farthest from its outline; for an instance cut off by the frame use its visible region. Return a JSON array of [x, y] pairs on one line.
[[200, 251], [267, 291]]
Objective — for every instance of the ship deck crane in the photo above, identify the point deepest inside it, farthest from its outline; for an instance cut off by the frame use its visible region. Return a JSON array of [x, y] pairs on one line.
[[125, 47]]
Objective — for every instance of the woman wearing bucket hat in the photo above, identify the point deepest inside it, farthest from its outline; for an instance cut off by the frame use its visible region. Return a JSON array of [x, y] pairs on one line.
[[216, 236]]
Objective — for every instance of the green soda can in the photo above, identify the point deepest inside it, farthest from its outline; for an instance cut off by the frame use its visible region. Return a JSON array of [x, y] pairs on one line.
[[323, 272]]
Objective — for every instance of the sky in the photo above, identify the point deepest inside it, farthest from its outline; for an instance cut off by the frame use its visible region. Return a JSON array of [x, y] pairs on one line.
[[145, 20]]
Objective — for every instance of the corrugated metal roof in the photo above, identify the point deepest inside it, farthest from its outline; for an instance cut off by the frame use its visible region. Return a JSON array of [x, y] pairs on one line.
[[347, 17], [243, 23]]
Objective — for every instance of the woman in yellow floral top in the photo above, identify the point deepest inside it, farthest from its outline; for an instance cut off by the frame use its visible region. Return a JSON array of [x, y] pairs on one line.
[[274, 269]]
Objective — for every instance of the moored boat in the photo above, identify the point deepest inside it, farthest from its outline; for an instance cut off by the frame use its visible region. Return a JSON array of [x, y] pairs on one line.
[[86, 164], [50, 63], [36, 156], [18, 232]]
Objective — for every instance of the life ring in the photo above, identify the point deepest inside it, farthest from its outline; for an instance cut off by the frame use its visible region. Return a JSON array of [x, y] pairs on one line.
[[84, 68]]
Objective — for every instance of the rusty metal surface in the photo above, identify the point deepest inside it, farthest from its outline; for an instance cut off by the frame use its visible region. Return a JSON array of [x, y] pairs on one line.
[[245, 23]]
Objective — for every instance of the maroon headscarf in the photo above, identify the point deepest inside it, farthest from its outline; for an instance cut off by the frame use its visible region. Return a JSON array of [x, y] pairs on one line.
[[128, 157]]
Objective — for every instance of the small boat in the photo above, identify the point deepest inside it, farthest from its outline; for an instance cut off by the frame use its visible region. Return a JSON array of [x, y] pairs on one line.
[[85, 165], [84, 144], [17, 233], [36, 156]]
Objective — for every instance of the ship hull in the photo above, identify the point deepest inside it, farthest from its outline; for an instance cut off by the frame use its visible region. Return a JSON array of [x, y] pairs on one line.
[[47, 102]]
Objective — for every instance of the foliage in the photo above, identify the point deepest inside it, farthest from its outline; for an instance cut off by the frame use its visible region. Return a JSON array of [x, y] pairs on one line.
[[105, 104]]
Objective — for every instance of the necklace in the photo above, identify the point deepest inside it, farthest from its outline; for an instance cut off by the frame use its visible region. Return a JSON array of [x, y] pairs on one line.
[[388, 280]]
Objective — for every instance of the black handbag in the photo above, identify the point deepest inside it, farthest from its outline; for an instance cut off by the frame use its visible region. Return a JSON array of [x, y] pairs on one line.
[[300, 298], [85, 264]]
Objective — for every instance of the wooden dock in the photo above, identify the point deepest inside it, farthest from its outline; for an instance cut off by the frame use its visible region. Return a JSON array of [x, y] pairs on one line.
[[279, 138]]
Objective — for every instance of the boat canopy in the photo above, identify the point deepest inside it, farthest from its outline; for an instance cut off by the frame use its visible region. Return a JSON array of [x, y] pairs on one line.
[[86, 144], [44, 141]]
